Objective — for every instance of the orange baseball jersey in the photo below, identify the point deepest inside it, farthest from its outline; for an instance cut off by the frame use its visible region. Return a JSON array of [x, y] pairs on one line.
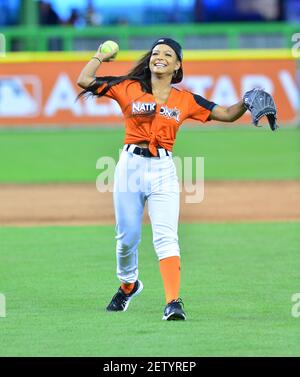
[[145, 120]]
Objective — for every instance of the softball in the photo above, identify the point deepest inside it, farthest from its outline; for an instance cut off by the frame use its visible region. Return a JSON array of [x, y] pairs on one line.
[[110, 46]]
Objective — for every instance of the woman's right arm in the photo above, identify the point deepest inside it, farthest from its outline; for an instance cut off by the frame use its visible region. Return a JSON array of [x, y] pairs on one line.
[[87, 75]]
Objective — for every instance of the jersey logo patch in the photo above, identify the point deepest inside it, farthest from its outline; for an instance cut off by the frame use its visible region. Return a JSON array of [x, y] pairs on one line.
[[149, 108], [170, 113]]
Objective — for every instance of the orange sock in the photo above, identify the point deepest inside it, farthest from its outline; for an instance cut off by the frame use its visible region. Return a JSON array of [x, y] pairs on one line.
[[170, 272], [127, 287]]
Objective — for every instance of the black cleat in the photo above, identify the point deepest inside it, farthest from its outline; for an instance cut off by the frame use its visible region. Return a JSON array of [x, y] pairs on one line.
[[120, 301], [174, 312]]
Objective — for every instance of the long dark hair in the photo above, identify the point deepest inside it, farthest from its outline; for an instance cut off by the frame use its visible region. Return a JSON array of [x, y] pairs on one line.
[[141, 73]]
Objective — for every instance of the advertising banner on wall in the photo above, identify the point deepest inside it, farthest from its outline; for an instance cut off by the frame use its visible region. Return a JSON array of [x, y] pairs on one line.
[[44, 93]]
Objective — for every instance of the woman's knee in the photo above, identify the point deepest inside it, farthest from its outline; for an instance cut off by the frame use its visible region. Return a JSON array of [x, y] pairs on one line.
[[128, 239]]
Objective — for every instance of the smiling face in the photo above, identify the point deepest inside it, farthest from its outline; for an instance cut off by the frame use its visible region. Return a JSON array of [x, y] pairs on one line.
[[163, 60]]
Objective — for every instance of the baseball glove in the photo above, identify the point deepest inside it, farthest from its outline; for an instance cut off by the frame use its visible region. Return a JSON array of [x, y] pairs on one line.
[[261, 103]]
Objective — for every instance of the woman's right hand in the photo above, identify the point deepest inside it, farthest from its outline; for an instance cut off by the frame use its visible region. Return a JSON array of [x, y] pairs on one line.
[[105, 57]]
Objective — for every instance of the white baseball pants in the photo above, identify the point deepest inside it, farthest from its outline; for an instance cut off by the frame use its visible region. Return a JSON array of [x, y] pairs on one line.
[[139, 179]]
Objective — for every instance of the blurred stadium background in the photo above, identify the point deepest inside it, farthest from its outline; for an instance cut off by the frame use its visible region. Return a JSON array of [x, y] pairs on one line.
[[240, 246]]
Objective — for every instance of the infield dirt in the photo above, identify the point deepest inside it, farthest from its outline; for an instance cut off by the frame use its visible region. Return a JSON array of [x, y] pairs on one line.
[[82, 204]]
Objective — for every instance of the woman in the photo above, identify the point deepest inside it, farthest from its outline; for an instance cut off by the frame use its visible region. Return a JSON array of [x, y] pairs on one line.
[[153, 110]]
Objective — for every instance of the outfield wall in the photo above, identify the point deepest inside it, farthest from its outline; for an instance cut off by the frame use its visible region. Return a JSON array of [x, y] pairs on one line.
[[41, 88]]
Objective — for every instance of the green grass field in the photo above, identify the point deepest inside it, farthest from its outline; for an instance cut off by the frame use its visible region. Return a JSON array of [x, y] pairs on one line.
[[237, 279], [71, 155], [237, 283]]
